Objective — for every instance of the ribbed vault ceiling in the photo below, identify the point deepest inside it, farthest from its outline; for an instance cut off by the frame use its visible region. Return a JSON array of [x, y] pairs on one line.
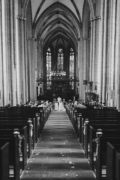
[[57, 19]]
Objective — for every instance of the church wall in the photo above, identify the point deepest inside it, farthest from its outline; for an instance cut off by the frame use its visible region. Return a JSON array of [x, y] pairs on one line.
[[7, 58], [16, 75], [106, 48], [102, 64]]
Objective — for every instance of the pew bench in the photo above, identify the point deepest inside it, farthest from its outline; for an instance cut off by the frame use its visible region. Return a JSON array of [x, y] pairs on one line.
[[4, 160], [113, 160], [88, 114], [14, 165], [85, 130], [5, 132], [98, 148], [25, 129]]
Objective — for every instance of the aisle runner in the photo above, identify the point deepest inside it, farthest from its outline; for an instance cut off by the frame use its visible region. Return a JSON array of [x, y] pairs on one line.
[[58, 154]]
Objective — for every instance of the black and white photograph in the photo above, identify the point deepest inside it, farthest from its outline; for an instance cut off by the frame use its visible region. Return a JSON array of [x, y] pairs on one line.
[[59, 89]]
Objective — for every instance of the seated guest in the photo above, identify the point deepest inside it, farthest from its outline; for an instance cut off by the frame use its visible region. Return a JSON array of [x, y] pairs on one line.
[[80, 105], [75, 103]]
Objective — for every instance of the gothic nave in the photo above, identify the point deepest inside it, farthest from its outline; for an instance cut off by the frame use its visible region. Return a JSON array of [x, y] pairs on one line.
[[68, 49], [58, 155]]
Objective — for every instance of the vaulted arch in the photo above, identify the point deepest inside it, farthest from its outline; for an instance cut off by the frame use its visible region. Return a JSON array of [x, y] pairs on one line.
[[54, 16]]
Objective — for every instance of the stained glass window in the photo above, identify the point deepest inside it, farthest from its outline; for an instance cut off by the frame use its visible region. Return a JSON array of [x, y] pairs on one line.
[[60, 60], [48, 67], [71, 66]]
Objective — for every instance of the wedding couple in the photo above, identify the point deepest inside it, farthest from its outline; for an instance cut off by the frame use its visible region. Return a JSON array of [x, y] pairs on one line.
[[59, 106]]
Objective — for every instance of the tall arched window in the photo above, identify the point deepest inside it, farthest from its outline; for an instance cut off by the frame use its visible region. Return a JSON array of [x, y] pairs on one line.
[[48, 67], [60, 60], [71, 66], [72, 59]]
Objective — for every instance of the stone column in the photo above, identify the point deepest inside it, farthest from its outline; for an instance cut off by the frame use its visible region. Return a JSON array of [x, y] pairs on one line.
[[92, 34], [98, 70], [26, 62], [5, 50], [104, 52], [112, 62], [30, 59], [117, 57], [80, 68], [1, 60], [39, 64], [12, 57], [34, 70], [111, 52], [21, 22], [86, 62], [17, 53], [40, 58]]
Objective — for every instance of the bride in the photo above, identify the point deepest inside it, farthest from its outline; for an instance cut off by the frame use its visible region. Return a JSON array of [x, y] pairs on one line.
[[61, 105]]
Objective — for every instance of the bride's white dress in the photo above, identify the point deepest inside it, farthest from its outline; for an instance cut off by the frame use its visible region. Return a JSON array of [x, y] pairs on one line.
[[61, 106]]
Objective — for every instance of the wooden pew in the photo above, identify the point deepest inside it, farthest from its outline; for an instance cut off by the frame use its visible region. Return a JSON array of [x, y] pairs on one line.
[[85, 130], [117, 172], [23, 154], [101, 118], [13, 139], [4, 160], [25, 129], [26, 114], [98, 147], [16, 118], [90, 114], [113, 159]]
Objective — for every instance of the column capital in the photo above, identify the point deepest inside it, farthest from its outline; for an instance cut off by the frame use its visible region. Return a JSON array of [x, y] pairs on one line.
[[84, 38], [95, 19], [21, 18]]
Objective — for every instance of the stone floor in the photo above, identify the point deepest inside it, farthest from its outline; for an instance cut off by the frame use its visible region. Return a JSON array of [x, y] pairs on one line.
[[58, 155]]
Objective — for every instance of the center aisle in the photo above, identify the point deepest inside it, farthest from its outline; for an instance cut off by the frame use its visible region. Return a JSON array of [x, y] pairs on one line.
[[58, 154]]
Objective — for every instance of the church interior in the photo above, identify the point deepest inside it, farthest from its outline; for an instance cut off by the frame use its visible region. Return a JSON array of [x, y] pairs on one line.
[[59, 89]]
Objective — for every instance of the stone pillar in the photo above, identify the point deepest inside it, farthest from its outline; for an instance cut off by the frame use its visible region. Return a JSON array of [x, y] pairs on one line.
[[12, 57], [40, 58], [30, 59], [112, 62], [80, 68], [98, 70], [93, 48], [34, 70], [17, 54], [5, 50], [26, 63], [1, 60], [104, 52], [111, 52], [91, 51], [39, 64], [22, 58], [85, 63], [117, 57]]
